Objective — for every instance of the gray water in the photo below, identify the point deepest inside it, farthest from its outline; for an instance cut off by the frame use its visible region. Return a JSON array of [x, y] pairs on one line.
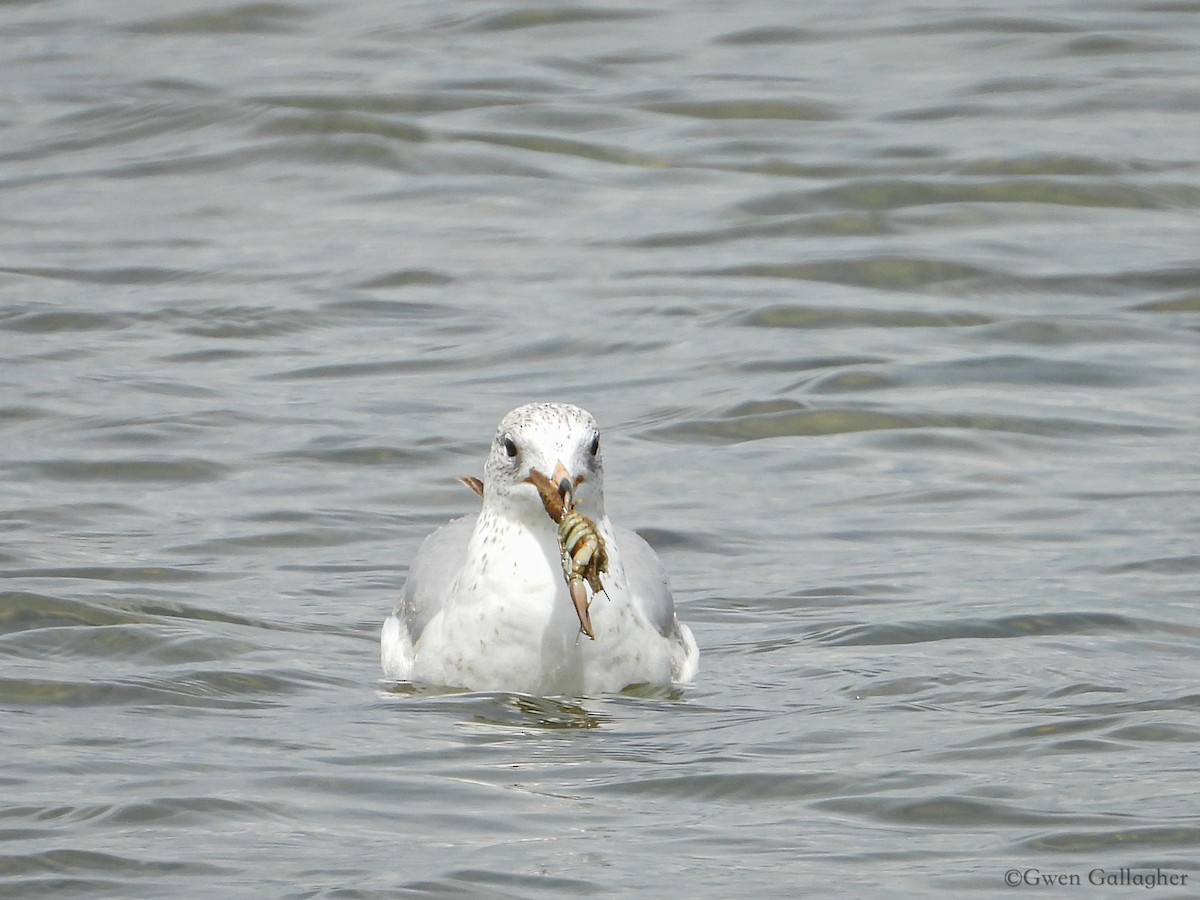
[[891, 314]]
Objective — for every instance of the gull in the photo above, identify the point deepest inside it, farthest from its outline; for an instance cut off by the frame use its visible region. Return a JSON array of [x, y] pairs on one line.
[[486, 606]]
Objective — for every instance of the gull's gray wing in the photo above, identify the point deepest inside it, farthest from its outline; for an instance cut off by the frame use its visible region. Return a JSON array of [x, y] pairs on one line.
[[644, 569], [432, 573]]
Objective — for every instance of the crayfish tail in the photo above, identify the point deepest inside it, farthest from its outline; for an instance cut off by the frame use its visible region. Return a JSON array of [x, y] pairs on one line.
[[580, 601]]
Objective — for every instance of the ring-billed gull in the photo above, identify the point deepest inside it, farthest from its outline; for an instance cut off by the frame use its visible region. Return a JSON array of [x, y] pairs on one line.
[[486, 606]]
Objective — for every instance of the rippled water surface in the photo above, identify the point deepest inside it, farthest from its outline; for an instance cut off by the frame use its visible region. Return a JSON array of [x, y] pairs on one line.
[[891, 313]]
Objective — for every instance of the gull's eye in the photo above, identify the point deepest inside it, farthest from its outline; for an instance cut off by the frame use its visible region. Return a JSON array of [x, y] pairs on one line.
[[595, 448], [510, 447]]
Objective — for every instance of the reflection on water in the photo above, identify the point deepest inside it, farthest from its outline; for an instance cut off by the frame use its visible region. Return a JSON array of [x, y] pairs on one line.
[[890, 316], [515, 711]]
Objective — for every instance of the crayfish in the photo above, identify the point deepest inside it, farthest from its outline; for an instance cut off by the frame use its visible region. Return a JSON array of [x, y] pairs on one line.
[[584, 556]]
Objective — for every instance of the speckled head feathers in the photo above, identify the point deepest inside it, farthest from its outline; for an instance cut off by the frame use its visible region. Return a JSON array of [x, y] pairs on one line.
[[541, 435]]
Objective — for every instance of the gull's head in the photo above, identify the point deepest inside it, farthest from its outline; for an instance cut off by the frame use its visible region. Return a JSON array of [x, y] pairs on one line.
[[559, 440]]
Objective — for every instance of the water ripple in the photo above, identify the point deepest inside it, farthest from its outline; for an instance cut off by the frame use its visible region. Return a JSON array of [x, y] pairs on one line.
[[1020, 626]]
